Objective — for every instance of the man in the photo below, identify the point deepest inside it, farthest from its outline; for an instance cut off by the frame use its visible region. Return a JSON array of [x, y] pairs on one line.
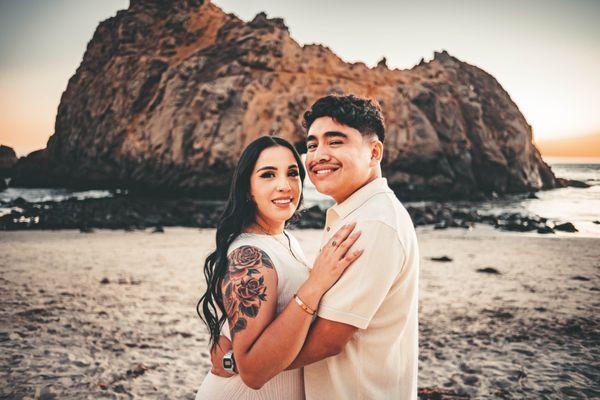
[[364, 343]]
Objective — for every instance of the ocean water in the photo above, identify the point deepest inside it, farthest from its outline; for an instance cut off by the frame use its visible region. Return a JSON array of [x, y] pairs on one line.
[[580, 206], [576, 205], [34, 195]]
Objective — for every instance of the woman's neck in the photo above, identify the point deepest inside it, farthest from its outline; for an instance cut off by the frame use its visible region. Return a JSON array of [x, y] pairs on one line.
[[261, 226]]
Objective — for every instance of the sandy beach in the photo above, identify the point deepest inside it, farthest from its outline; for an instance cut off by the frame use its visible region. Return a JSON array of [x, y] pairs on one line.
[[111, 314]]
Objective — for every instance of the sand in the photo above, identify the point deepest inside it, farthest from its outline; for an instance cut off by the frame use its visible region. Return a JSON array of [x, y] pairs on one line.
[[530, 331]]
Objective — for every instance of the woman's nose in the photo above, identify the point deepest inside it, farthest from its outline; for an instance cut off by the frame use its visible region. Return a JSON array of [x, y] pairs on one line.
[[283, 185]]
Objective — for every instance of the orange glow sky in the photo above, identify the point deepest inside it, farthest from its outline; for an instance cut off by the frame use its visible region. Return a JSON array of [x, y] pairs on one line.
[[545, 53]]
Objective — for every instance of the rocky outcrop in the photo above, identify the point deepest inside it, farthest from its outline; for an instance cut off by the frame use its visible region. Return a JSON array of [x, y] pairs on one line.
[[141, 212], [169, 93], [8, 158]]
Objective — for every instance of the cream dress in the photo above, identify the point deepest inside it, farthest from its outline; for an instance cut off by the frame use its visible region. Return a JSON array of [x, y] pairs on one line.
[[291, 273]]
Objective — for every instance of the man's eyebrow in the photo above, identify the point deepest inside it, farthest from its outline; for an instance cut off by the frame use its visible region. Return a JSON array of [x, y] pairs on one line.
[[331, 134], [328, 134], [292, 166]]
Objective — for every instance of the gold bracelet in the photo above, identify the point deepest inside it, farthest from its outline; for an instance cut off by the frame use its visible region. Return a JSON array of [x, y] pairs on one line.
[[303, 305]]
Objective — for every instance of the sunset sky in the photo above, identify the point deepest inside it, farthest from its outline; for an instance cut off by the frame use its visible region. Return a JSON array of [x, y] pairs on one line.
[[545, 53]]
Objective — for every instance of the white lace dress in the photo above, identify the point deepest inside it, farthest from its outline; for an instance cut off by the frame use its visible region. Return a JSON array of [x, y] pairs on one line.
[[291, 273]]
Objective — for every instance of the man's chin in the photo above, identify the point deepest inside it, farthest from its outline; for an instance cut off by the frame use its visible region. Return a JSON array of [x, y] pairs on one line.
[[325, 188]]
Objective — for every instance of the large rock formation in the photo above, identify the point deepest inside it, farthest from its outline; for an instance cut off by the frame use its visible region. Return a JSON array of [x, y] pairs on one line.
[[8, 158], [169, 93]]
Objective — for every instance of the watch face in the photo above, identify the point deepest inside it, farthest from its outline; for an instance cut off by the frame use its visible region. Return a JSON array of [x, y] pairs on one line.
[[227, 363]]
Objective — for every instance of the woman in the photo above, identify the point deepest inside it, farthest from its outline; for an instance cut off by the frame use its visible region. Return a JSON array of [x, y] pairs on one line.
[[258, 279]]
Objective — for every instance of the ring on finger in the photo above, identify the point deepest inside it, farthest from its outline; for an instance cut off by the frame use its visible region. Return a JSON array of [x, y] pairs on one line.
[[334, 243]]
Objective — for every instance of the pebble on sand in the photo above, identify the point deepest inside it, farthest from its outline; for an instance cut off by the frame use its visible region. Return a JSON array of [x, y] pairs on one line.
[[441, 259], [488, 270], [137, 371], [580, 278]]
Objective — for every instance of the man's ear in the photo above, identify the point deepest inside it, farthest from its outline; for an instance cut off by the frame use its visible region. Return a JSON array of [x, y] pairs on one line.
[[376, 152]]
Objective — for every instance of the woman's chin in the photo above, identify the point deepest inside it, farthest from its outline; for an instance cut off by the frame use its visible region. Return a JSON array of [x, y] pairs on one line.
[[283, 216]]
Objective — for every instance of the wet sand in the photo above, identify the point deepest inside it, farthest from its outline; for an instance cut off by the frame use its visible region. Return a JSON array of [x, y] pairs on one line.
[[111, 314]]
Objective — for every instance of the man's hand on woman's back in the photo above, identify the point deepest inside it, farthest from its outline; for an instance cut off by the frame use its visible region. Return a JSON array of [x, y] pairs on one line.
[[216, 357]]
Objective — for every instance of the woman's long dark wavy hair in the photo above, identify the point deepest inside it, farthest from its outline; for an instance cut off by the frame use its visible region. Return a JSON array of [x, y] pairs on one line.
[[239, 213]]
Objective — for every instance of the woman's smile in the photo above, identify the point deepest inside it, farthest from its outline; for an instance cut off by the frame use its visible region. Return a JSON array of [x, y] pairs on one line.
[[283, 202]]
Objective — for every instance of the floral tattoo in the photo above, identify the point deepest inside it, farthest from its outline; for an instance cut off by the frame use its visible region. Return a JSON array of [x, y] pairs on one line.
[[244, 285]]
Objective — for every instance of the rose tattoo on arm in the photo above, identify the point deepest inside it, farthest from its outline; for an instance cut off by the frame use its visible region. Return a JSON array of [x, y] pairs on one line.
[[244, 285]]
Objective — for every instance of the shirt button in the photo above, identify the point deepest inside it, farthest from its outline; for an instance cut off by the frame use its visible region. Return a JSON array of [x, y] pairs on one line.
[[328, 229]]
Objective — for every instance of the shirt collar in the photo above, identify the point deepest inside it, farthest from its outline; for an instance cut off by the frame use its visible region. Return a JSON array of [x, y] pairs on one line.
[[358, 198]]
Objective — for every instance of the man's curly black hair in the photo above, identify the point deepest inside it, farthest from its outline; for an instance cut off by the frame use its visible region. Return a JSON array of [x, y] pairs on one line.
[[362, 114]]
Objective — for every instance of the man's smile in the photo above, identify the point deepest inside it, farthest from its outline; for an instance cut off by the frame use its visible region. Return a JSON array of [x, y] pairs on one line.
[[324, 170]]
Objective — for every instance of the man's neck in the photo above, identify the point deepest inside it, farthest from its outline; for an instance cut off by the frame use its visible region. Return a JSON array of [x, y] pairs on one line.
[[344, 197]]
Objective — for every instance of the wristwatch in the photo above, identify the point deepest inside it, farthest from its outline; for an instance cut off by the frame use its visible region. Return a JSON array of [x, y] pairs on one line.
[[229, 362]]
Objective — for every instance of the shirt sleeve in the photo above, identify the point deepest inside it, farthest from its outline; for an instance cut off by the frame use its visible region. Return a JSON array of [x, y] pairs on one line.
[[358, 294]]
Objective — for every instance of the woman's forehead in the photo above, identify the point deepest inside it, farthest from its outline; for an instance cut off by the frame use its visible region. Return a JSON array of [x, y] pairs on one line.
[[278, 156]]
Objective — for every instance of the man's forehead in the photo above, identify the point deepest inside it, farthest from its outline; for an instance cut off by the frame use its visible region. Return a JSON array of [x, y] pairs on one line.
[[327, 126]]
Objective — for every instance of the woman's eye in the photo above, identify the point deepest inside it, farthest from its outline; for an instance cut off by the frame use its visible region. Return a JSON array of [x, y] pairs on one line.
[[293, 173], [311, 146], [267, 175]]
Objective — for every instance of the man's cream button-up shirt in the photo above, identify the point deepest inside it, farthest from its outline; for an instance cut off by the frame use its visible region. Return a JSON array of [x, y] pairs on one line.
[[377, 294]]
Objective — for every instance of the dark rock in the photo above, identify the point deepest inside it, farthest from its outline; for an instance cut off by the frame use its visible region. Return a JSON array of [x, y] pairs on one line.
[[158, 229], [470, 380], [566, 227], [580, 278], [545, 229], [104, 281], [86, 229], [441, 259], [488, 270], [499, 314], [532, 195], [8, 158], [562, 182], [119, 388], [517, 223], [597, 222], [162, 101], [120, 212], [467, 369], [137, 371]]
